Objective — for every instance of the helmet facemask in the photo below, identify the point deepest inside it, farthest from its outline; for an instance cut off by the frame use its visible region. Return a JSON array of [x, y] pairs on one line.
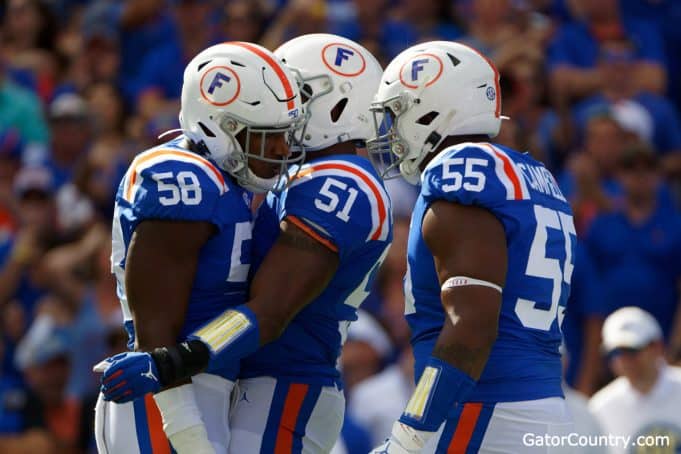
[[390, 151], [236, 161]]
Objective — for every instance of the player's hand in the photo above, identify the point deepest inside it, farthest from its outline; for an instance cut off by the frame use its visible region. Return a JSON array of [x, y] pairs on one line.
[[128, 376]]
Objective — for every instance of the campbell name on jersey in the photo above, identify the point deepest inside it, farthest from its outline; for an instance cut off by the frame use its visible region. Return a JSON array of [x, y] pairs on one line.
[[341, 202], [524, 363], [170, 182]]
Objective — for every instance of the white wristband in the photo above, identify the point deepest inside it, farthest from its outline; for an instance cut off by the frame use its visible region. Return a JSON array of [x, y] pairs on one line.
[[178, 408], [462, 281], [182, 421]]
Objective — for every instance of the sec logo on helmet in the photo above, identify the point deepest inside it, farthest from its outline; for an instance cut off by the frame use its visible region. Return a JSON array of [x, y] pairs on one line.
[[343, 60], [220, 85], [419, 69]]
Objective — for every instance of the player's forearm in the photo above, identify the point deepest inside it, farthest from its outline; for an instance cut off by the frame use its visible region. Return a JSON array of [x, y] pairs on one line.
[[159, 275], [470, 330]]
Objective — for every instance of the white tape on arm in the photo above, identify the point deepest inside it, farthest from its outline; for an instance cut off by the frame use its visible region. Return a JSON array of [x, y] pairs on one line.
[[182, 421], [463, 281]]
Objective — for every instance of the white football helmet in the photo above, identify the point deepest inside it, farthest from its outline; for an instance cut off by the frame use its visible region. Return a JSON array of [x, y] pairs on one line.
[[428, 92], [237, 86], [338, 78]]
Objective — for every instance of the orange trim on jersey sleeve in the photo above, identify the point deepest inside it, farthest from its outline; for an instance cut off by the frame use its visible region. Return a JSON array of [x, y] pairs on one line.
[[510, 173], [382, 211], [288, 90], [464, 429], [154, 154], [307, 229], [159, 441], [294, 401]]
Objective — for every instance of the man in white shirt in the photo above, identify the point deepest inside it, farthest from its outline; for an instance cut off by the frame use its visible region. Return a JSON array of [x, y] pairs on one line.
[[641, 410]]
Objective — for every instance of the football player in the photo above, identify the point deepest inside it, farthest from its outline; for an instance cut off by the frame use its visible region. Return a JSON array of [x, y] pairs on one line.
[[182, 241], [490, 257], [317, 246]]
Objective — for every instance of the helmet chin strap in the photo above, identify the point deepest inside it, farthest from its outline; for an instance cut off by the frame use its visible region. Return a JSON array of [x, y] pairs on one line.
[[410, 167], [258, 185]]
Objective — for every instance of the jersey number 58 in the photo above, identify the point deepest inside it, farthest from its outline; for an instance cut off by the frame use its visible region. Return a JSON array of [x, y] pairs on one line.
[[184, 187]]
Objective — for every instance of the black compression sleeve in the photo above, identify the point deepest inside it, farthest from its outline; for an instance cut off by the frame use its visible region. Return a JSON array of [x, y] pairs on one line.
[[178, 363]]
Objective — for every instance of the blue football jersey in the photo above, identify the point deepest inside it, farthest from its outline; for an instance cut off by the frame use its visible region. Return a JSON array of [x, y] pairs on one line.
[[173, 183], [540, 235], [341, 202]]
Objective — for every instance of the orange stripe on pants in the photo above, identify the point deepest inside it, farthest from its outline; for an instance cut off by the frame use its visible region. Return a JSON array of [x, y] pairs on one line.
[[159, 441], [464, 429], [287, 425]]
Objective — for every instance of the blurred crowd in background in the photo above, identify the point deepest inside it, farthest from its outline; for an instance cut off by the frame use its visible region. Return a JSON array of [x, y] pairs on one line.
[[592, 89]]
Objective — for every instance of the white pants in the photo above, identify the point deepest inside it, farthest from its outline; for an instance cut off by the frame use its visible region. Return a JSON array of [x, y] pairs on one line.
[[531, 426], [136, 428], [273, 415]]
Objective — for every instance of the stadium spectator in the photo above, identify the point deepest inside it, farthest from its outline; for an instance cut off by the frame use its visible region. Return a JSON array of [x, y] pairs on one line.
[[523, 86], [354, 438], [574, 52], [111, 150], [243, 21], [414, 21], [22, 426], [585, 422], [378, 401], [297, 17], [43, 356], [589, 180], [644, 399], [505, 32], [98, 59], [20, 108], [637, 247], [10, 163], [20, 278], [76, 273], [389, 282], [159, 83], [362, 21], [365, 351], [617, 65], [70, 135], [666, 16], [29, 39], [139, 26], [582, 325]]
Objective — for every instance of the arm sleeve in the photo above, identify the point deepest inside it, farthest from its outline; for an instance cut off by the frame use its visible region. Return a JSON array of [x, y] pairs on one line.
[[175, 190]]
